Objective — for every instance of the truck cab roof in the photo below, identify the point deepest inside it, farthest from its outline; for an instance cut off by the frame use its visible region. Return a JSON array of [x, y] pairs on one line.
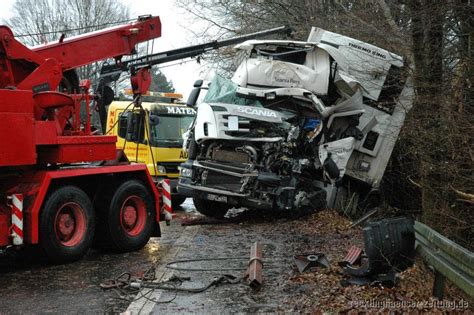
[[157, 108]]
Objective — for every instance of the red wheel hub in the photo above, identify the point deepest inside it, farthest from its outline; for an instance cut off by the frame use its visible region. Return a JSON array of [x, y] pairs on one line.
[[133, 215], [70, 224]]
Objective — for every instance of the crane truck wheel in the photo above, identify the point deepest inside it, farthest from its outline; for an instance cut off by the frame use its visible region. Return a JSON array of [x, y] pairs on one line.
[[211, 208], [67, 224], [127, 224]]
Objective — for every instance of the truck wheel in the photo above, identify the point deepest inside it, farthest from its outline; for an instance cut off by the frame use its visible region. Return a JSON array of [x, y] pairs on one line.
[[210, 208], [177, 201], [66, 225], [127, 224]]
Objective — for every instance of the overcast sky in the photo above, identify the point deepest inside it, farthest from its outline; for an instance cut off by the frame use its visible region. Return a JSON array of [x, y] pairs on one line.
[[174, 35]]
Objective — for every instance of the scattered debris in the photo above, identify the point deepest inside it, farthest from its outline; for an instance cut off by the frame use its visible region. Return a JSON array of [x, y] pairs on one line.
[[364, 218], [388, 280], [389, 247], [254, 271], [353, 257], [175, 264], [127, 286], [305, 262], [390, 243], [174, 283]]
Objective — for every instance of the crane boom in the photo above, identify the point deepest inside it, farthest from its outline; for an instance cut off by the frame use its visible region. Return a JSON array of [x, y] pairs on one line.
[[111, 72], [41, 68], [91, 47]]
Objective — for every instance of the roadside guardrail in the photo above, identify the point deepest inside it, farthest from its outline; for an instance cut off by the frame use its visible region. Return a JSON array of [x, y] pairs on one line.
[[449, 260]]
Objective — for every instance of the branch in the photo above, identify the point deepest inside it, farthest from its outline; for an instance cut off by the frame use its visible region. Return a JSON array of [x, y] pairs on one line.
[[467, 201], [362, 21], [388, 16], [391, 22], [465, 196], [414, 183], [209, 20]]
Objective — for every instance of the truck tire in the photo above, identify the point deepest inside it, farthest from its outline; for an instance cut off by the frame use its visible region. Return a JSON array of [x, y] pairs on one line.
[[126, 224], [210, 208], [67, 224], [177, 201]]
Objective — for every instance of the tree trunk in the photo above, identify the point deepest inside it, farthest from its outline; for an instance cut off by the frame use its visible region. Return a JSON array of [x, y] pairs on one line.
[[417, 33], [434, 46]]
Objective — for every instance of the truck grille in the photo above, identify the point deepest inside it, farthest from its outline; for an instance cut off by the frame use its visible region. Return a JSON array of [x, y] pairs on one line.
[[219, 180], [230, 156], [222, 181]]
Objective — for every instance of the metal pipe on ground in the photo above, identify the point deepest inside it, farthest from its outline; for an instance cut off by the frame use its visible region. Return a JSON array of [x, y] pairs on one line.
[[254, 270]]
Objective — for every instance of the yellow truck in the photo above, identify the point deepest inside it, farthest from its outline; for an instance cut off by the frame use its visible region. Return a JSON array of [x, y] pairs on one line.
[[152, 135]]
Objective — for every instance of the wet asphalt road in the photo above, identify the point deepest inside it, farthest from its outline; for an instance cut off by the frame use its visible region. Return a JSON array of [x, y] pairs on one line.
[[31, 286], [230, 242]]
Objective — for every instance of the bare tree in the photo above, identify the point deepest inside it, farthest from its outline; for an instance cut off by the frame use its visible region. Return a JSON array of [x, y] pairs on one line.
[[36, 22], [352, 18]]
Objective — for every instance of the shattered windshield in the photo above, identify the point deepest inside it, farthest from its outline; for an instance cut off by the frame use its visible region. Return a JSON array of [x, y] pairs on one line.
[[223, 90]]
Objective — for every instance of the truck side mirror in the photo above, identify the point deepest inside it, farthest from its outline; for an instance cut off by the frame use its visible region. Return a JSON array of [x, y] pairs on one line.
[[122, 125], [130, 126], [194, 95], [198, 83]]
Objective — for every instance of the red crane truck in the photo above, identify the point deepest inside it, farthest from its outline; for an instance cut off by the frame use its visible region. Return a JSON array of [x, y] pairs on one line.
[[62, 187]]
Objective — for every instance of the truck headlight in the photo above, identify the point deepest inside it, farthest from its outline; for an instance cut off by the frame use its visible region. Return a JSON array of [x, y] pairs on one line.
[[185, 172], [161, 169]]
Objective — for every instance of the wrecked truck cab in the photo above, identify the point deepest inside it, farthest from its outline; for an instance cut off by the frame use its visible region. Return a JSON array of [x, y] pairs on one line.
[[301, 125]]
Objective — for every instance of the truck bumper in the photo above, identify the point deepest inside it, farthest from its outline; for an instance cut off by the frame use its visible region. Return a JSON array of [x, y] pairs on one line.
[[184, 189]]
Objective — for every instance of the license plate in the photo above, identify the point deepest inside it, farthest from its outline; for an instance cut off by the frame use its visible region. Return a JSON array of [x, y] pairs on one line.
[[217, 198]]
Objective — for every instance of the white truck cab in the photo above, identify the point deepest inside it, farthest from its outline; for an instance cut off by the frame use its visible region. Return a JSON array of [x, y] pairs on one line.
[[299, 123]]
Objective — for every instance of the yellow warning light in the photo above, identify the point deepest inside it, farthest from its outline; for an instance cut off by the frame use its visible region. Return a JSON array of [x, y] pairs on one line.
[[173, 95], [150, 93]]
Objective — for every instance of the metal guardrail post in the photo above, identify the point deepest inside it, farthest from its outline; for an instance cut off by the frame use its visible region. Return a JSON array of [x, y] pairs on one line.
[[438, 285], [449, 260]]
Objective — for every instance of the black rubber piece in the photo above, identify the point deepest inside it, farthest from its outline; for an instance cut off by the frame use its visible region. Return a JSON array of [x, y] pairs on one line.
[[390, 243], [54, 250], [111, 234], [177, 201], [211, 208]]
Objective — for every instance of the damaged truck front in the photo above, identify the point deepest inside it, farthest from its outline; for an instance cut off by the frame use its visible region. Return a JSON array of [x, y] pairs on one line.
[[301, 126]]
